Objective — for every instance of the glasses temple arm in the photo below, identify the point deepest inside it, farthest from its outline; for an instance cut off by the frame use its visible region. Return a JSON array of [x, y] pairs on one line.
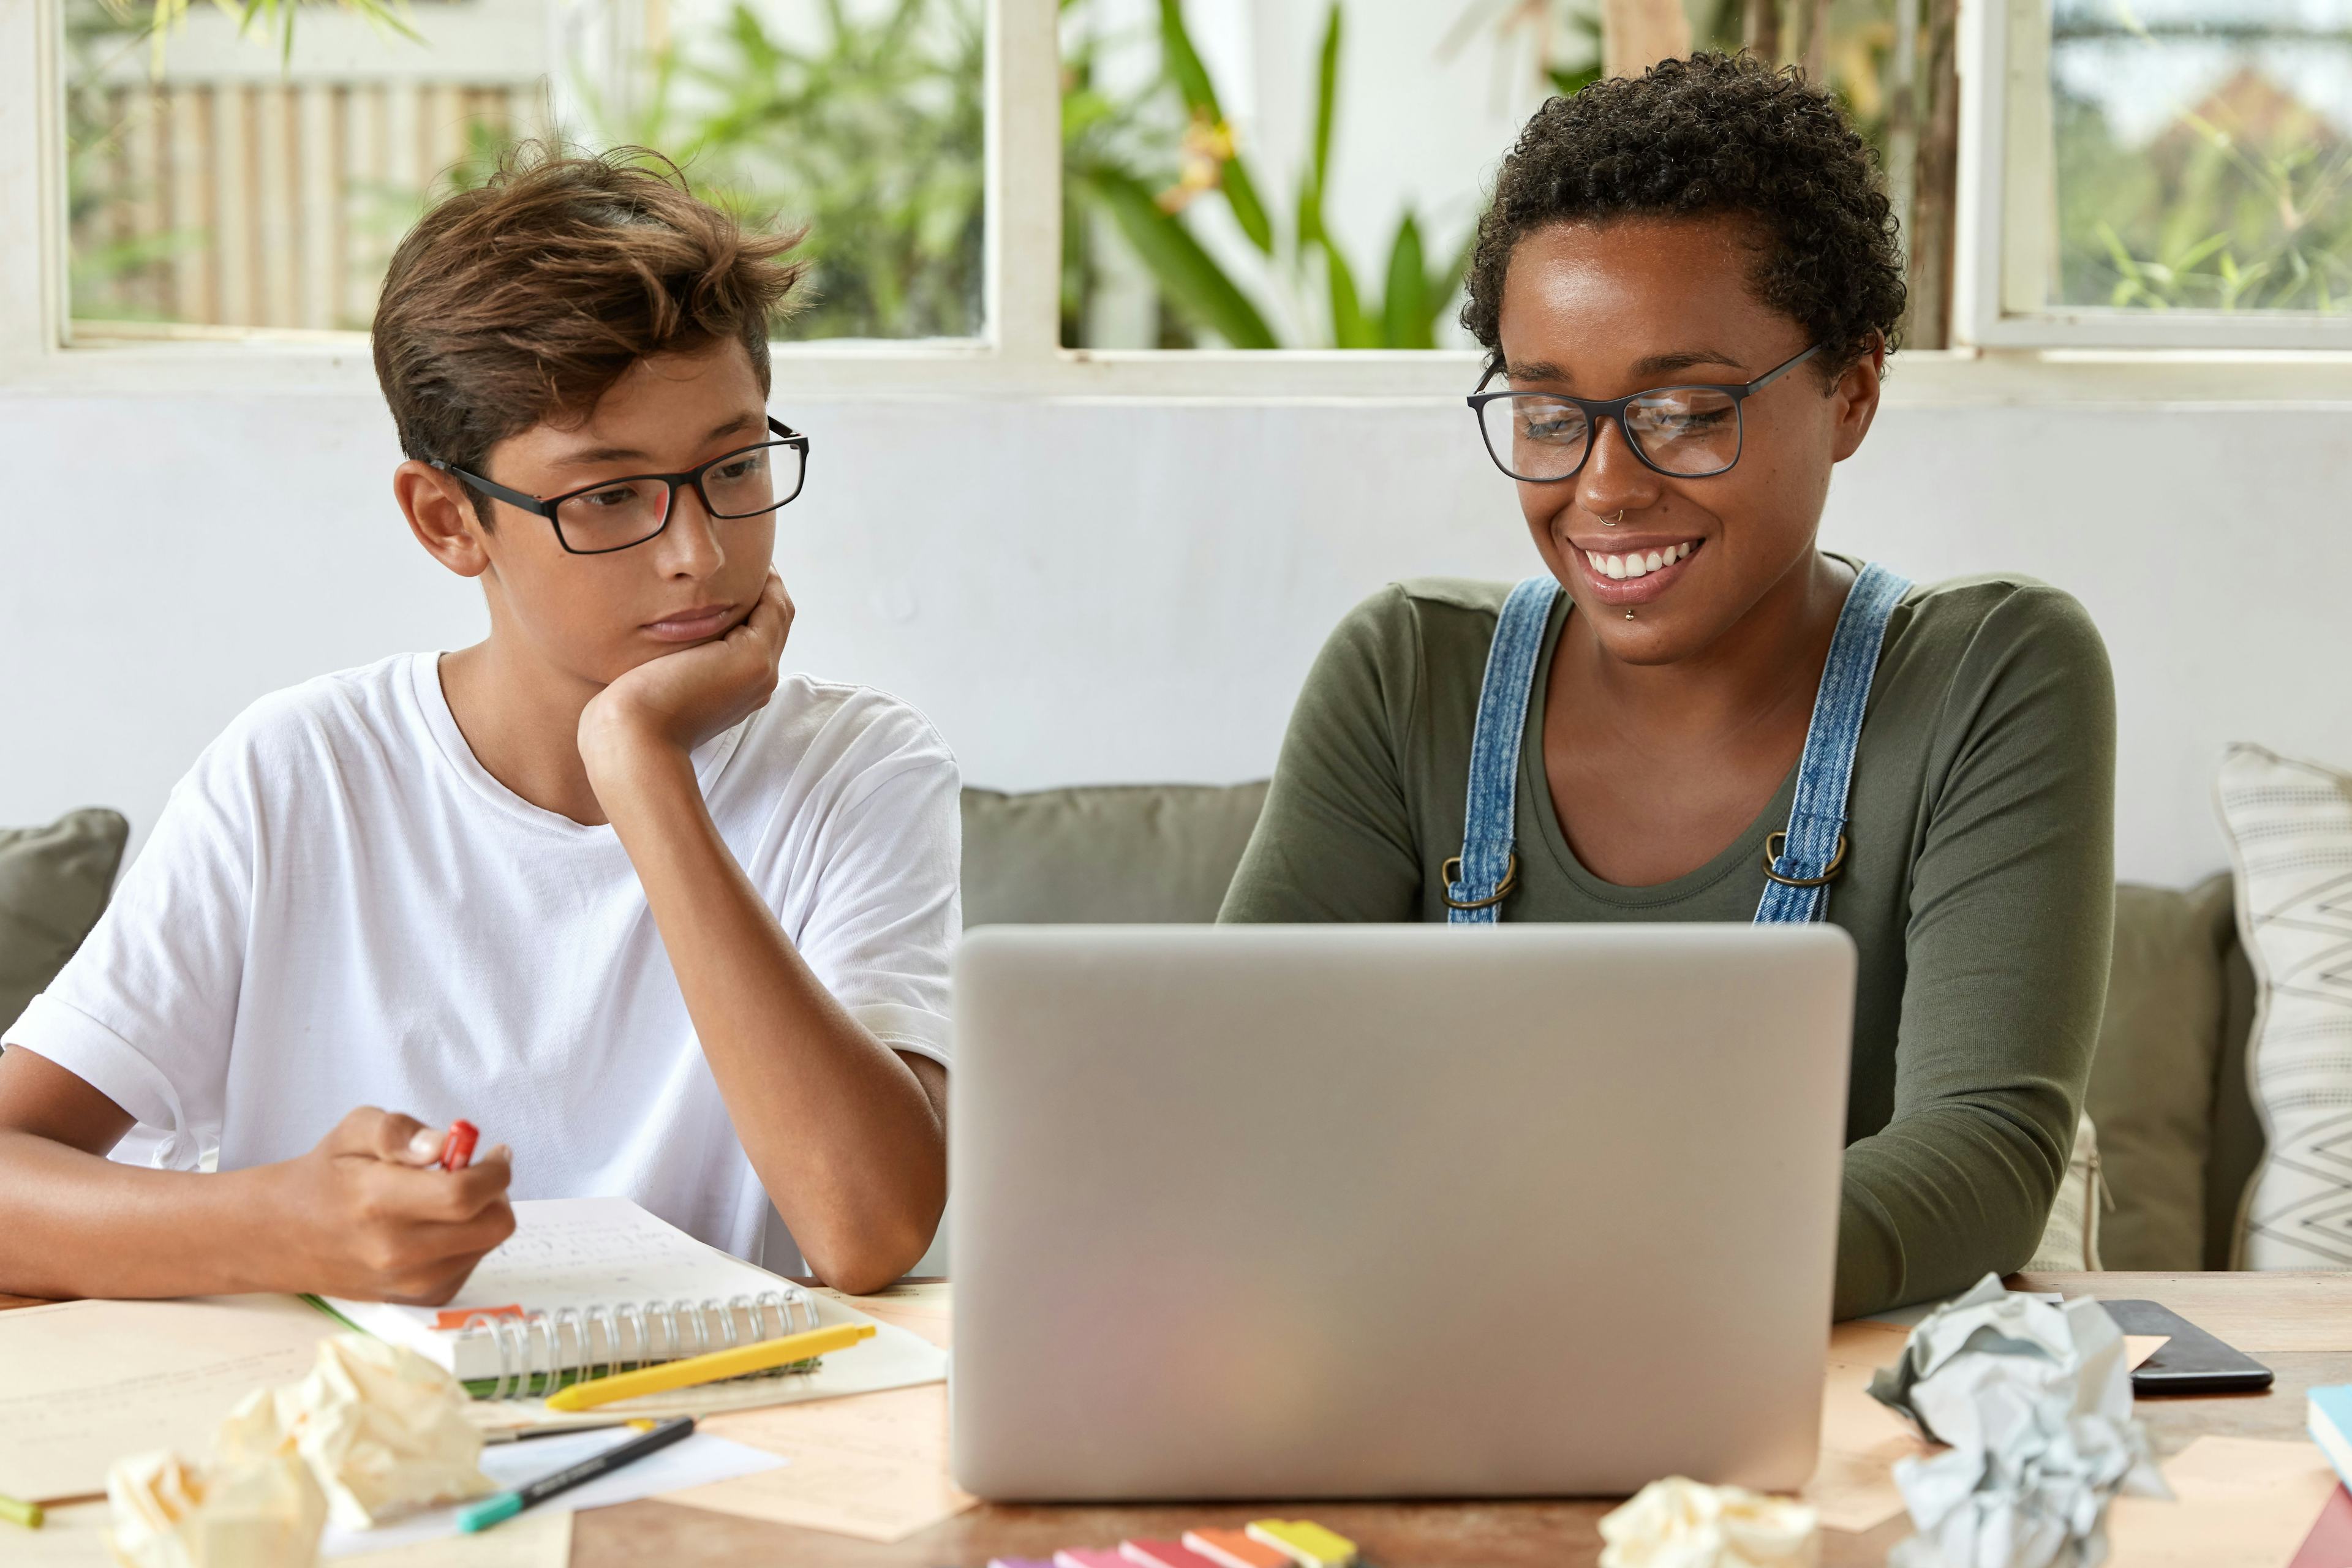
[[1783, 368], [495, 490]]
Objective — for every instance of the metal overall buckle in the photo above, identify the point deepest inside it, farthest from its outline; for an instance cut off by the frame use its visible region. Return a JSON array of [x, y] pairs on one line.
[[1452, 872], [1775, 842]]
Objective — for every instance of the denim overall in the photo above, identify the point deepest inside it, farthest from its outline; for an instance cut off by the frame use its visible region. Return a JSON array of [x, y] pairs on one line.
[[1810, 854]]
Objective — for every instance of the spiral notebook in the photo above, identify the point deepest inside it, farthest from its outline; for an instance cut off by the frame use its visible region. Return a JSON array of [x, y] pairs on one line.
[[587, 1286]]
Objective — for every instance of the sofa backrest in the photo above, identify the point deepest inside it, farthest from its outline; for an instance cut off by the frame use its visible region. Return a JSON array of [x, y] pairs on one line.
[[54, 883], [1104, 854], [2178, 1134]]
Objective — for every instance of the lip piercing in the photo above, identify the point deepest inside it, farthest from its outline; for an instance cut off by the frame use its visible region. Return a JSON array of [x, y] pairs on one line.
[[1629, 615]]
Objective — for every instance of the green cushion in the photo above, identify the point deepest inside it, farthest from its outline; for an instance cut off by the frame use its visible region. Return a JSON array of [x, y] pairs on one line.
[[53, 885], [1104, 854], [2238, 1138], [2151, 1091]]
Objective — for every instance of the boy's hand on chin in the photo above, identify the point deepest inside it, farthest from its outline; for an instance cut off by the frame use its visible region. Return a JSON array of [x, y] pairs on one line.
[[369, 1214], [679, 700]]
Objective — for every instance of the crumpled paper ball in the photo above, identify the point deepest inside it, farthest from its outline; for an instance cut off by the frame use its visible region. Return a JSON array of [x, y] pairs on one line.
[[166, 1514], [2035, 1400], [383, 1431], [1683, 1523]]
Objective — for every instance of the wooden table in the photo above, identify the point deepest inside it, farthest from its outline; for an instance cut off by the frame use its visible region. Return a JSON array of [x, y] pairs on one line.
[[2298, 1325]]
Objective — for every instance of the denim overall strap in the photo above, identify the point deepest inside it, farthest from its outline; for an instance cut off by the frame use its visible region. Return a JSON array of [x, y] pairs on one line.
[[1812, 851], [1488, 869]]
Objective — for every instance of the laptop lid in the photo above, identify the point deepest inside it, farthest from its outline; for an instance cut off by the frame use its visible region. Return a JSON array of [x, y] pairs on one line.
[[1393, 1211]]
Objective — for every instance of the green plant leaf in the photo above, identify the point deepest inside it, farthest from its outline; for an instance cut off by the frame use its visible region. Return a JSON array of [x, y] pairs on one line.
[[1327, 102], [1446, 285], [1241, 195], [1182, 61], [1405, 309], [2188, 259], [1567, 84], [1187, 275], [1351, 328], [278, 16]]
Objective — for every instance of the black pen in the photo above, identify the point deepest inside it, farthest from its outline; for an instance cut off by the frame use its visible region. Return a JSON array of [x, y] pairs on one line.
[[506, 1505]]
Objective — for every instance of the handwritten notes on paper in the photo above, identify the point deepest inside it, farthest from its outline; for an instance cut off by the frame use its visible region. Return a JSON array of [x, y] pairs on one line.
[[90, 1382], [873, 1467], [580, 1253], [923, 1307]]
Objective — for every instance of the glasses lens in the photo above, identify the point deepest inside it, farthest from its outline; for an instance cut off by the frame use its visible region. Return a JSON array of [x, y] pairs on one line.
[[1688, 431], [613, 516], [1535, 438], [747, 483]]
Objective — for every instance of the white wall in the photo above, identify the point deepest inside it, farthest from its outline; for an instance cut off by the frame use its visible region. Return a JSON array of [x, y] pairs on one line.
[[1082, 591]]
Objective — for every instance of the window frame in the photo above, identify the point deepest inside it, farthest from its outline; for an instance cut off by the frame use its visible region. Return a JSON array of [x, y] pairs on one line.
[[2001, 360], [2006, 196]]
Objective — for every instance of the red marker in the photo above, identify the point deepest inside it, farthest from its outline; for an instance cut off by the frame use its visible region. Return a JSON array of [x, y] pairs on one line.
[[457, 1148]]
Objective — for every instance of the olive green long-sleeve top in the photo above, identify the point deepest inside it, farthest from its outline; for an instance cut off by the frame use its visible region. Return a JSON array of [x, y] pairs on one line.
[[1979, 885]]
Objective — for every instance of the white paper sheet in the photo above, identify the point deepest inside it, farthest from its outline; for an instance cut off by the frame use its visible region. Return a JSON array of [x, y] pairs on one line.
[[74, 1537], [873, 1467], [697, 1461], [90, 1382]]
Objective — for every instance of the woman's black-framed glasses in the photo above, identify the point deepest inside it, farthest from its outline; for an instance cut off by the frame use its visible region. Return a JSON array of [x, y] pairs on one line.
[[614, 514], [1684, 432]]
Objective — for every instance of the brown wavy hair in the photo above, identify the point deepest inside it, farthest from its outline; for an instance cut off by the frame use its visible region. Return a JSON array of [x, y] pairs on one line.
[[523, 299]]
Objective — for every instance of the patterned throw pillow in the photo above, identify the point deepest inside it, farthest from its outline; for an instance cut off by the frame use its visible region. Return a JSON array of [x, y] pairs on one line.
[[2070, 1240], [2289, 825]]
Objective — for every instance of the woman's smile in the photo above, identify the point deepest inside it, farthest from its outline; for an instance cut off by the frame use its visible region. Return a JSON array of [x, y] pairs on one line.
[[1628, 574]]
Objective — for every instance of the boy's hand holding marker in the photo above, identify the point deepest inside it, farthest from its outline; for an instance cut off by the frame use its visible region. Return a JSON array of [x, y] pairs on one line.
[[388, 1208]]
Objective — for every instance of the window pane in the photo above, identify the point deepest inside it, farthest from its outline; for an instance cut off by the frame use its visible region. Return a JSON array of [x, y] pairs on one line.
[[1192, 212], [2202, 149], [213, 190]]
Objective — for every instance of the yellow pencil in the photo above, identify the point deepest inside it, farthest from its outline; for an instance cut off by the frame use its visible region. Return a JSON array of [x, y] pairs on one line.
[[698, 1369]]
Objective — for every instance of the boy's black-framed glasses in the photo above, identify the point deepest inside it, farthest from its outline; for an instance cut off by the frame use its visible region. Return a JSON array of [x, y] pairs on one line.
[[614, 514], [1690, 432]]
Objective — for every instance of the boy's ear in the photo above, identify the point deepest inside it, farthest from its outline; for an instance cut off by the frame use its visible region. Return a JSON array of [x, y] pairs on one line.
[[441, 514]]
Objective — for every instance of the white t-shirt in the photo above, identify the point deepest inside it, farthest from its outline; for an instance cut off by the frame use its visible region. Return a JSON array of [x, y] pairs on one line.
[[340, 907]]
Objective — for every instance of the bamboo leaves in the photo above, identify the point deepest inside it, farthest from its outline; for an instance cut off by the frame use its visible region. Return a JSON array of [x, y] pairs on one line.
[[1186, 273], [1192, 280]]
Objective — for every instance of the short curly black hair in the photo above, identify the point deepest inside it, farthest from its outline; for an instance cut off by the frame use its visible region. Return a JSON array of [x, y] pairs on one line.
[[1712, 134]]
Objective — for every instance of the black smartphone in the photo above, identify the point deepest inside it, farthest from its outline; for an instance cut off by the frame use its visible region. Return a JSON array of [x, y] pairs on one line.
[[2191, 1361]]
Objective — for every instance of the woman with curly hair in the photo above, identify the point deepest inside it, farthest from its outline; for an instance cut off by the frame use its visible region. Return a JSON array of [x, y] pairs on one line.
[[1687, 285]]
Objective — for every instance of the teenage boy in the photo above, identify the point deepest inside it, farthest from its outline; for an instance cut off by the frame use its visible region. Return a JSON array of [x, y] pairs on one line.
[[665, 925]]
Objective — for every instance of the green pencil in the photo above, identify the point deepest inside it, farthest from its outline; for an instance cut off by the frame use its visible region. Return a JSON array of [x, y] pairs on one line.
[[28, 1514]]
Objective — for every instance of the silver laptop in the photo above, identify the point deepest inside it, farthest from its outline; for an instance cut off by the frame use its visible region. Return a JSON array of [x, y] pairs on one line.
[[1393, 1211]]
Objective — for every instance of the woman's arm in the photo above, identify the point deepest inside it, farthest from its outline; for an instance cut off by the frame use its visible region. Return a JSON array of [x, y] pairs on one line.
[[2011, 919]]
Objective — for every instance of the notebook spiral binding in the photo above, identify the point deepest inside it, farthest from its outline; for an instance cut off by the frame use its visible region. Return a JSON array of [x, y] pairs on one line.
[[538, 1349]]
